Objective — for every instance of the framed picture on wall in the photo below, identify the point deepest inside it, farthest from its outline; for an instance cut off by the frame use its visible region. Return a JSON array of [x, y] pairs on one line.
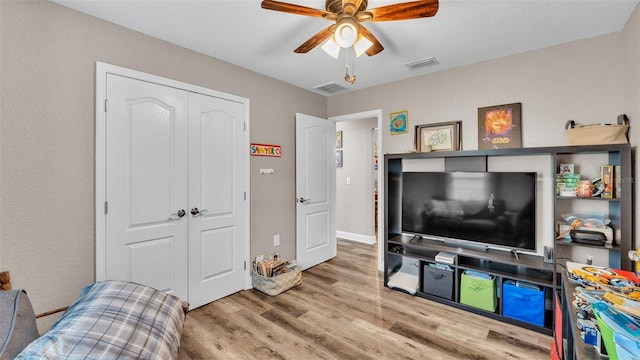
[[398, 122], [339, 139], [338, 158], [444, 136], [500, 126]]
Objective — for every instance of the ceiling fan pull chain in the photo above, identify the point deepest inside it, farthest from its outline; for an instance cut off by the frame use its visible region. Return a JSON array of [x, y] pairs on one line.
[[348, 78], [350, 64]]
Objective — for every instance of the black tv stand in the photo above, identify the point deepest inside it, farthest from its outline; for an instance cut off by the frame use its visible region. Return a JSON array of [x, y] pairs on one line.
[[503, 265]]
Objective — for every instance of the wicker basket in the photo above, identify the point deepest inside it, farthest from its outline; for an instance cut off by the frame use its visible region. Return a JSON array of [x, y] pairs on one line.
[[597, 133], [277, 284]]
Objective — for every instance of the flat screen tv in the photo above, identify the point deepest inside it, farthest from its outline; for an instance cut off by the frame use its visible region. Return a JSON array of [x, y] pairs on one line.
[[489, 208]]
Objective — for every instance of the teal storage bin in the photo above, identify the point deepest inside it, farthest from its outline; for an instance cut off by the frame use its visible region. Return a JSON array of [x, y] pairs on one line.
[[524, 303], [477, 292]]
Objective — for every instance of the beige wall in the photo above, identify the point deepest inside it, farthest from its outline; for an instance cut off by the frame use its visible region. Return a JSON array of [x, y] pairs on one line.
[[579, 80], [47, 140]]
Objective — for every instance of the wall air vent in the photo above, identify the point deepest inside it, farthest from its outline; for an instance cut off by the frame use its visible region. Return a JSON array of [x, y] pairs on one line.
[[330, 88], [422, 63]]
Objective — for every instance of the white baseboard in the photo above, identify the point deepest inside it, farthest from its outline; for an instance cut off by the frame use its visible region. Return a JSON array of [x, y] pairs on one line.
[[367, 239]]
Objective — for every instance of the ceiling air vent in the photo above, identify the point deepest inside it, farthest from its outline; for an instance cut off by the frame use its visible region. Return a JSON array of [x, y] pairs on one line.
[[422, 63], [330, 88]]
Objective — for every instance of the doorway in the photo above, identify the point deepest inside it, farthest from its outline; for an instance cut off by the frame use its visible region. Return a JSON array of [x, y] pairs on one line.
[[358, 178]]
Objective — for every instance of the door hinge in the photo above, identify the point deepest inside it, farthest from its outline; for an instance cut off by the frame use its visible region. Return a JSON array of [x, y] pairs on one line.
[[245, 126], [245, 265], [106, 105], [106, 207], [245, 196]]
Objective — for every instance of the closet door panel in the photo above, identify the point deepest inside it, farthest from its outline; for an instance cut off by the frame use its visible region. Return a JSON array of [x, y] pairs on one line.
[[216, 172], [217, 163], [146, 184]]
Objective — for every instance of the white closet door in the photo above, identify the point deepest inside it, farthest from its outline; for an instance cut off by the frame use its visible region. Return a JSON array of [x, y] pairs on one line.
[[216, 198], [146, 184]]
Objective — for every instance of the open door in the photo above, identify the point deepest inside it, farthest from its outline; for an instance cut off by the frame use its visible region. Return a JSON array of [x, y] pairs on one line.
[[315, 190]]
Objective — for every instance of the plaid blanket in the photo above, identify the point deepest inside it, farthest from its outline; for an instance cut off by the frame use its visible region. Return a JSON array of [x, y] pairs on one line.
[[114, 320]]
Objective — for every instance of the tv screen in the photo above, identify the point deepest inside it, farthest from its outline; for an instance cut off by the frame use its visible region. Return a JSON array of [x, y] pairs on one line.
[[491, 208]]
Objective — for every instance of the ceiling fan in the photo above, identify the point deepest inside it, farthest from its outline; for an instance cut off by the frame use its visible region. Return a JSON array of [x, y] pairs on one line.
[[348, 15]]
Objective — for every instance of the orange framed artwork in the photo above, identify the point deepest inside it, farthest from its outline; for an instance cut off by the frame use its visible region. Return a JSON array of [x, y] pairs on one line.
[[500, 126]]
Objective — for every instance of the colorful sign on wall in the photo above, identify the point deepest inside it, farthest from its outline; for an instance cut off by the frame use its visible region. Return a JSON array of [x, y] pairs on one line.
[[265, 150]]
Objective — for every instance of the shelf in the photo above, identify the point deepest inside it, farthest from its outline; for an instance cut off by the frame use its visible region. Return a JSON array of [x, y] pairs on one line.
[[509, 271], [605, 246], [558, 197], [555, 150], [427, 246]]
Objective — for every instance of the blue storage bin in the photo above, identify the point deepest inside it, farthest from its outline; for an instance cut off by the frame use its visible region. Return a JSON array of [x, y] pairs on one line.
[[523, 303]]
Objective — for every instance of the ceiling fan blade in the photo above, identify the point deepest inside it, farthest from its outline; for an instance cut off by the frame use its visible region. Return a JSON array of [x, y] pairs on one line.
[[293, 9], [376, 47], [316, 40], [404, 11]]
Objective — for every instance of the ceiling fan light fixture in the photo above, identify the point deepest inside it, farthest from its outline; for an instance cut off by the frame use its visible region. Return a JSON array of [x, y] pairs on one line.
[[361, 45], [331, 47], [347, 32]]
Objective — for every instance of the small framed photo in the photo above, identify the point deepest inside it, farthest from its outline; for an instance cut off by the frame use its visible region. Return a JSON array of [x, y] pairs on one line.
[[566, 169], [339, 139], [398, 122], [500, 126], [338, 158], [445, 136]]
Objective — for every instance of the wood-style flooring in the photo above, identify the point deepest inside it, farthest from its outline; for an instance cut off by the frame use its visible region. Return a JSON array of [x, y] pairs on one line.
[[343, 311]]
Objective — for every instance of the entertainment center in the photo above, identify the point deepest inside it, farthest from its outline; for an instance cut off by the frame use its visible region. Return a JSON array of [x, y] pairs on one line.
[[493, 216]]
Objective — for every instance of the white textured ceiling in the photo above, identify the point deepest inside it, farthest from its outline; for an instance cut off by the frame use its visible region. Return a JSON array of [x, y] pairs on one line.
[[462, 32]]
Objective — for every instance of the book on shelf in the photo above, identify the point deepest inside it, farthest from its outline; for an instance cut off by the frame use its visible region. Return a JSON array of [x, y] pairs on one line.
[[617, 188], [606, 175]]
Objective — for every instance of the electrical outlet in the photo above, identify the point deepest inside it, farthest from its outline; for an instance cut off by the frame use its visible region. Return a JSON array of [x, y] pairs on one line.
[[276, 240]]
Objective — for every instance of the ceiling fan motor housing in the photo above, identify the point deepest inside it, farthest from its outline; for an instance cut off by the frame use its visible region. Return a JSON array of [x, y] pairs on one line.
[[335, 6]]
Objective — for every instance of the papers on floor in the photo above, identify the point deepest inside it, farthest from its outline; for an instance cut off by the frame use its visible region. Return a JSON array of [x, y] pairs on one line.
[[271, 265]]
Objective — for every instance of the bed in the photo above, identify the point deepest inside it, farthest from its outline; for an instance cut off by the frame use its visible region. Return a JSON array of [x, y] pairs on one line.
[[114, 319]]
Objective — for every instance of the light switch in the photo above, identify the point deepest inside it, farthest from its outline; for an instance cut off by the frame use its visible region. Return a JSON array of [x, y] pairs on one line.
[[348, 180]]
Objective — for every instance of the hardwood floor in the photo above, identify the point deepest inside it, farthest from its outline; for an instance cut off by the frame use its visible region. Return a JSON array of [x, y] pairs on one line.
[[343, 311]]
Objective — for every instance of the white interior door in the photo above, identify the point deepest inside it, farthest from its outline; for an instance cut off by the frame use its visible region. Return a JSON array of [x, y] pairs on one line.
[[172, 174], [216, 198], [315, 190], [146, 184]]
